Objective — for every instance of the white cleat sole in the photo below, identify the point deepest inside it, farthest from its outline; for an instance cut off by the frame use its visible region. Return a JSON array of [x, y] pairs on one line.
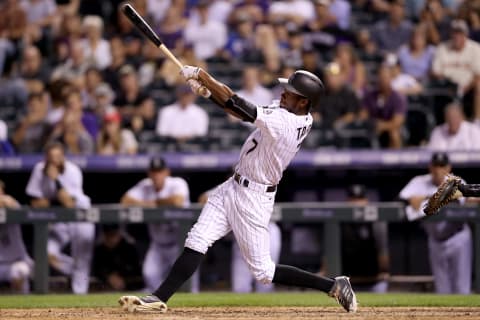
[[134, 304]]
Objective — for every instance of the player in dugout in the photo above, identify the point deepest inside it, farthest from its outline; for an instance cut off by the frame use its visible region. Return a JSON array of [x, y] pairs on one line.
[[244, 203]]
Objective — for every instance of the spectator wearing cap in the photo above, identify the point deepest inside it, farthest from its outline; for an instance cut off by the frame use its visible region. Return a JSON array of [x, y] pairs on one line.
[[130, 95], [416, 57], [396, 24], [218, 10], [343, 104], [387, 109], [296, 11], [365, 253], [449, 242], [456, 133], [183, 119], [457, 61], [401, 82], [207, 36], [112, 139], [159, 189], [96, 49]]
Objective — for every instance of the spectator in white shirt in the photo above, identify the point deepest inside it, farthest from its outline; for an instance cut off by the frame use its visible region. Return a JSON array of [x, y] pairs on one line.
[[206, 35], [96, 48], [252, 90], [456, 133], [183, 119]]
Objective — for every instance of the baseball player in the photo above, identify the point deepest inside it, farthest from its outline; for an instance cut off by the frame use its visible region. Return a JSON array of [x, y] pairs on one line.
[[15, 265], [59, 182], [244, 203], [159, 189], [449, 243]]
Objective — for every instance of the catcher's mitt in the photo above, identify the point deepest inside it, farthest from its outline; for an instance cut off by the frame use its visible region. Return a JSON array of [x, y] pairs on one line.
[[446, 192]]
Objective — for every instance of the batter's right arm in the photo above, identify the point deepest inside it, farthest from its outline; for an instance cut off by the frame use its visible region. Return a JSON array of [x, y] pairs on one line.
[[221, 94]]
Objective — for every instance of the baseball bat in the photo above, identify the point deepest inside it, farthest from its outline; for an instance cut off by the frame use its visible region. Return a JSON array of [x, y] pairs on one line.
[[145, 28]]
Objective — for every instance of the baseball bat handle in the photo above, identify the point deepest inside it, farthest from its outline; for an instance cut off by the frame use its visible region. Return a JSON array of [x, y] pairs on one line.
[[170, 55]]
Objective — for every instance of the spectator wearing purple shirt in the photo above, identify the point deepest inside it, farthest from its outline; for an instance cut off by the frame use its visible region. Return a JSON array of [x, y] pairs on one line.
[[387, 108]]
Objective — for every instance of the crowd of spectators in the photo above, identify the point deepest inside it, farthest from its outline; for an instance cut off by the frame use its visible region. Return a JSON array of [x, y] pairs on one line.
[[80, 73]]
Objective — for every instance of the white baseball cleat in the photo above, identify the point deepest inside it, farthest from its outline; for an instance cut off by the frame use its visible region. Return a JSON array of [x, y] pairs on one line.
[[342, 292], [146, 304]]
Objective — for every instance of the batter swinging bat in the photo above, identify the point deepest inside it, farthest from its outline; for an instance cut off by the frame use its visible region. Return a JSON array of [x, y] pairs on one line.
[[145, 28]]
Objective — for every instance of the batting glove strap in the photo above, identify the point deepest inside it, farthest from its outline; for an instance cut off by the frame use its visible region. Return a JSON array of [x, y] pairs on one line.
[[189, 72]]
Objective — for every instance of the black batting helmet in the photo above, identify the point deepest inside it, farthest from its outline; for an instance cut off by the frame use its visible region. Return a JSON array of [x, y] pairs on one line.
[[305, 84]]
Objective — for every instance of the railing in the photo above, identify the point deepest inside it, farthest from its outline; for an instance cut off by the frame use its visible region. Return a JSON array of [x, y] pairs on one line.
[[331, 214], [320, 159]]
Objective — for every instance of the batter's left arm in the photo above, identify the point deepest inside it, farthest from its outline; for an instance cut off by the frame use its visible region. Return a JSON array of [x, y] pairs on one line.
[[221, 94]]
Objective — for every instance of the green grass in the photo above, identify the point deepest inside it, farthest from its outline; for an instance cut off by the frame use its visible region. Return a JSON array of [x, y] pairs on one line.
[[217, 299]]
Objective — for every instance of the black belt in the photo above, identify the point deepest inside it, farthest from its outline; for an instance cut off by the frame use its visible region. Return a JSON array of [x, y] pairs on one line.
[[245, 183]]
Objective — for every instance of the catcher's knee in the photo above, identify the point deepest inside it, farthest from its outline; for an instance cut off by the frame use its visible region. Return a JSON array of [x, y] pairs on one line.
[[20, 270]]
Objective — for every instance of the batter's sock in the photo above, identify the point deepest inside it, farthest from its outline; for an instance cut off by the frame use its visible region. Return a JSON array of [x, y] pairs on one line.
[[181, 271], [291, 276]]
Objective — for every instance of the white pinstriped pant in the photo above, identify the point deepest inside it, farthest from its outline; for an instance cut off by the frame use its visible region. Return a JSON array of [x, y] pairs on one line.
[[232, 207]]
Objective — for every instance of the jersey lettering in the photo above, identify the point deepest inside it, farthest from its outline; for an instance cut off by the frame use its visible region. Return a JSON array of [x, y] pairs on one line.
[[255, 144], [303, 131]]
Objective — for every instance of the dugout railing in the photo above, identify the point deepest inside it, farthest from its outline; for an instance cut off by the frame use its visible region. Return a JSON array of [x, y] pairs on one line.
[[330, 214]]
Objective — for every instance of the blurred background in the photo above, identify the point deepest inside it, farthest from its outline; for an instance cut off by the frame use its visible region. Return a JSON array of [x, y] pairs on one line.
[[402, 84]]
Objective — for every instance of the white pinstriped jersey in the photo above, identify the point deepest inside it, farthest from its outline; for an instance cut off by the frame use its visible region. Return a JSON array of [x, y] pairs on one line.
[[269, 149]]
